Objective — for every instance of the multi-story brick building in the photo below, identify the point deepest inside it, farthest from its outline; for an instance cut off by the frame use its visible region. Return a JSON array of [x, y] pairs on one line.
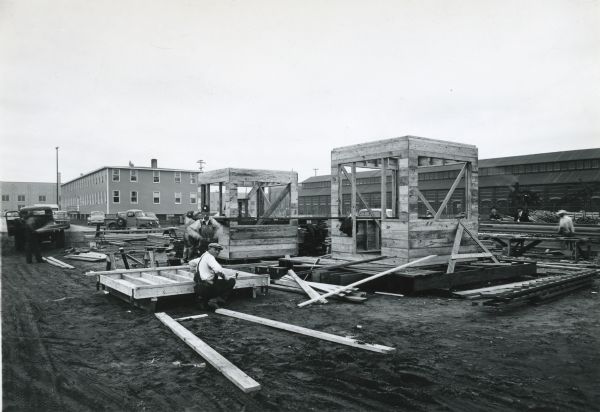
[[16, 195], [166, 192]]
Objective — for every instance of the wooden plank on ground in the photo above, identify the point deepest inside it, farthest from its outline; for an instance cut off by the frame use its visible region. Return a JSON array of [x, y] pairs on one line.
[[191, 317], [57, 263], [229, 370], [313, 294], [308, 332], [326, 295]]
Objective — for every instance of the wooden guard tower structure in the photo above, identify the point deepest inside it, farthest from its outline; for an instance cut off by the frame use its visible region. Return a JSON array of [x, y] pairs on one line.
[[401, 233], [262, 225]]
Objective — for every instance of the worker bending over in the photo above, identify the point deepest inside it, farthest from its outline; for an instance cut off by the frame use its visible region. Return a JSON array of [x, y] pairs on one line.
[[212, 285], [565, 224]]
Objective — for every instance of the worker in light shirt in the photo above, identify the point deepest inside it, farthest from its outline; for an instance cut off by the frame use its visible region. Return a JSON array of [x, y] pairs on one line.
[[212, 285]]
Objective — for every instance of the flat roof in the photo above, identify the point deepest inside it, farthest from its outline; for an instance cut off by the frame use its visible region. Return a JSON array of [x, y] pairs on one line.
[[131, 168]]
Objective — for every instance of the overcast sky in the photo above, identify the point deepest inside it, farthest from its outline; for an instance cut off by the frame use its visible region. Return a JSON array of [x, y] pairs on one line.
[[277, 84]]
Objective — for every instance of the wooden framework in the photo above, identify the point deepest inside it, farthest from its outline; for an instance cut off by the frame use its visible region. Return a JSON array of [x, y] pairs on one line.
[[404, 235], [253, 239], [153, 283]]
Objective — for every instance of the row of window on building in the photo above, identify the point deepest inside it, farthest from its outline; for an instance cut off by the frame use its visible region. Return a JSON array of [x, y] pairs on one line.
[[541, 167], [484, 171], [100, 198], [134, 176], [22, 198]]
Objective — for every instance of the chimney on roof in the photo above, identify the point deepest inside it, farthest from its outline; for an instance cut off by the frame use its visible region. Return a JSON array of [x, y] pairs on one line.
[[154, 163]]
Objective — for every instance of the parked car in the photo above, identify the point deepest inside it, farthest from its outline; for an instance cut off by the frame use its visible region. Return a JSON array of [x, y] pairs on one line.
[[96, 217], [62, 217], [133, 218]]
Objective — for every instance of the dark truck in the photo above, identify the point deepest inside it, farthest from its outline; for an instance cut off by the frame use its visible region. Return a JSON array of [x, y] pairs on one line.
[[49, 231], [133, 218]]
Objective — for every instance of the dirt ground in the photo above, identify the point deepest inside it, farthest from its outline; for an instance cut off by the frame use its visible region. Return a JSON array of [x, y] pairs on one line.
[[67, 347]]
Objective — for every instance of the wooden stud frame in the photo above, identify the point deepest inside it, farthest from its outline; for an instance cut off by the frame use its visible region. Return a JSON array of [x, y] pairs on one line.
[[242, 241]]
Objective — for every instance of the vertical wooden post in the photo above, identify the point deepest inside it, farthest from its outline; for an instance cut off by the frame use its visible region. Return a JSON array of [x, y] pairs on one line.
[[395, 193], [294, 195], [207, 200], [340, 191], [221, 199], [202, 195], [260, 201], [468, 188], [231, 201], [353, 207], [383, 190]]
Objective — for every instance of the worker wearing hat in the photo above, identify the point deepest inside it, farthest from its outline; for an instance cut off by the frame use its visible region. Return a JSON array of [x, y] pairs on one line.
[[212, 285], [565, 224], [204, 229]]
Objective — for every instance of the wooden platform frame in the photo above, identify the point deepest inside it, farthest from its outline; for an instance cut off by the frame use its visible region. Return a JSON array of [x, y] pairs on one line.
[[404, 236], [256, 240], [141, 285]]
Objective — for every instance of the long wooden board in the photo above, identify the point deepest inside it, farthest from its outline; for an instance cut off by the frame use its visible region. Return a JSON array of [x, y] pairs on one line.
[[228, 369], [308, 332]]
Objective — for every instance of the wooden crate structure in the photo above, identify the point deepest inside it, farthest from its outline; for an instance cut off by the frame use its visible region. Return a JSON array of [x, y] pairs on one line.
[[153, 283], [248, 229], [403, 235]]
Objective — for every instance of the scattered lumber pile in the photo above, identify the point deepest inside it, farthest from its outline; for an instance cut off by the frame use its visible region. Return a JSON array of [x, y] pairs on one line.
[[530, 292], [288, 284]]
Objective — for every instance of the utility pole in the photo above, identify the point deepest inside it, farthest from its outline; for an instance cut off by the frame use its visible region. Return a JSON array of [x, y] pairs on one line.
[[201, 164], [57, 179], [316, 170]]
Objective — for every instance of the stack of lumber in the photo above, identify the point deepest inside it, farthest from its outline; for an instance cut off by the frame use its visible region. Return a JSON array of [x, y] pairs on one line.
[[533, 291], [287, 283]]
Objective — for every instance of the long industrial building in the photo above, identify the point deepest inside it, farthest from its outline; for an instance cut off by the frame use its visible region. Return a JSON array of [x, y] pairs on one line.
[[550, 181]]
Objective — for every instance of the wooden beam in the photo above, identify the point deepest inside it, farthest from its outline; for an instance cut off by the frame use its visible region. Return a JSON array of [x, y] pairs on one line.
[[370, 278], [455, 247], [340, 192], [231, 372], [468, 191], [425, 202], [274, 205], [306, 287], [450, 192], [383, 190], [267, 201], [353, 205], [352, 263], [361, 198], [308, 332], [191, 317], [476, 239], [57, 263]]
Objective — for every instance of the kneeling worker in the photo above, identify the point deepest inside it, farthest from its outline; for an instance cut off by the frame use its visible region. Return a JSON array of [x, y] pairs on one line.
[[212, 285]]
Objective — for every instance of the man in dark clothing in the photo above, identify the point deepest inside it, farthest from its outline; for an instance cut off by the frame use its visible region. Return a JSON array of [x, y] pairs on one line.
[[32, 241], [494, 215], [521, 215], [206, 227]]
